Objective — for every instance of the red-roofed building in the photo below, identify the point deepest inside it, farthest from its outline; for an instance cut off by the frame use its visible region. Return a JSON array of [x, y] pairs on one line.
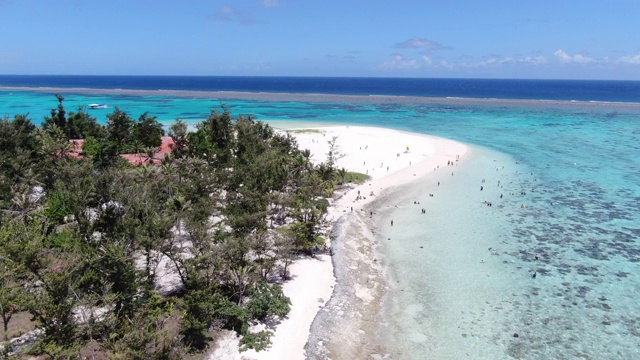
[[134, 159]]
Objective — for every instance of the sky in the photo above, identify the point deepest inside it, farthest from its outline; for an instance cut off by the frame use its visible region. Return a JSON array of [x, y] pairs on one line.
[[524, 39]]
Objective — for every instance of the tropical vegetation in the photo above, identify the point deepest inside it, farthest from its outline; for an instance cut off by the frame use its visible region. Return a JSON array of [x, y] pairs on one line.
[[140, 262]]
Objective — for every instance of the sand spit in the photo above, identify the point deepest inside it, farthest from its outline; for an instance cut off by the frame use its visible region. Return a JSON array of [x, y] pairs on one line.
[[392, 158]]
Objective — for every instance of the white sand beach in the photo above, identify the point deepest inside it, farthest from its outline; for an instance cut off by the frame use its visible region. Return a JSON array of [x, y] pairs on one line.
[[392, 158]]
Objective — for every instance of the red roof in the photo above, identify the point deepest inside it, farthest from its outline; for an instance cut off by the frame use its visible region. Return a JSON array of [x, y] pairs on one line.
[[167, 145], [77, 144], [133, 159]]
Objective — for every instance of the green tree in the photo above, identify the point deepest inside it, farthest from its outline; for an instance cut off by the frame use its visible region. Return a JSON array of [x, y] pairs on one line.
[[90, 146], [267, 300], [11, 293], [20, 156], [342, 174], [200, 146], [107, 154], [200, 305], [148, 131], [179, 134], [91, 244], [119, 127], [309, 211], [81, 125], [58, 116], [218, 131], [51, 279], [334, 154]]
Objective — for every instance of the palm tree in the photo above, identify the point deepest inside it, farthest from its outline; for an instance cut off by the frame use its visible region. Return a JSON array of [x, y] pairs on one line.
[[325, 171], [138, 148], [22, 207], [150, 152], [342, 173]]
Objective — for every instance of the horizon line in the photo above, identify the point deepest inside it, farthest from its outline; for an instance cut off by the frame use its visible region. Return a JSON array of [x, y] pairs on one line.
[[326, 77]]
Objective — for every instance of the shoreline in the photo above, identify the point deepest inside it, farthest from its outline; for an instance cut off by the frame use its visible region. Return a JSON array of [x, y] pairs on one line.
[[337, 98], [347, 328], [296, 336]]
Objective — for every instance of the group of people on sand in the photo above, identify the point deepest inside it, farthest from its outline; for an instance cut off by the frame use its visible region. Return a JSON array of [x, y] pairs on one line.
[[423, 210], [362, 197]]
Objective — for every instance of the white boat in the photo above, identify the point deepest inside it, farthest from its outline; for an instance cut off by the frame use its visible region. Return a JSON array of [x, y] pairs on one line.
[[98, 106]]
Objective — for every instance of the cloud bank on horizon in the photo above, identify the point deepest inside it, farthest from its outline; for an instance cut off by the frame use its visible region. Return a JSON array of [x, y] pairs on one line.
[[572, 39]]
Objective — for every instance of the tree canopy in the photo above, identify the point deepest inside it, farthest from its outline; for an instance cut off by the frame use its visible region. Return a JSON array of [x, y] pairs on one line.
[[88, 245]]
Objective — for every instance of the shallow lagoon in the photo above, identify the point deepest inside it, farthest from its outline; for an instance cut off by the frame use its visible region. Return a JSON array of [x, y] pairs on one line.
[[462, 281]]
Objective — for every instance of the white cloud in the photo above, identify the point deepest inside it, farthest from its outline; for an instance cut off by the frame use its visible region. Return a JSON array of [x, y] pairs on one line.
[[400, 63], [635, 59], [445, 64], [582, 59], [418, 43], [536, 60], [577, 58], [509, 60]]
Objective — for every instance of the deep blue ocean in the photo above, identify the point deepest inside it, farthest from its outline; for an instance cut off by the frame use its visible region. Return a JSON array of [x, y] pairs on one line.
[[578, 160]]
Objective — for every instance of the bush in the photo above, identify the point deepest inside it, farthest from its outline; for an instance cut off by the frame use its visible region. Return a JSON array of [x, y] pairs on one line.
[[235, 317], [57, 207], [200, 308], [355, 177], [90, 146], [267, 300], [258, 341]]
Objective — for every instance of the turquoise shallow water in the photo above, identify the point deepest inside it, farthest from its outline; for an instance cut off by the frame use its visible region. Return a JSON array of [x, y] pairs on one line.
[[463, 280], [578, 164]]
